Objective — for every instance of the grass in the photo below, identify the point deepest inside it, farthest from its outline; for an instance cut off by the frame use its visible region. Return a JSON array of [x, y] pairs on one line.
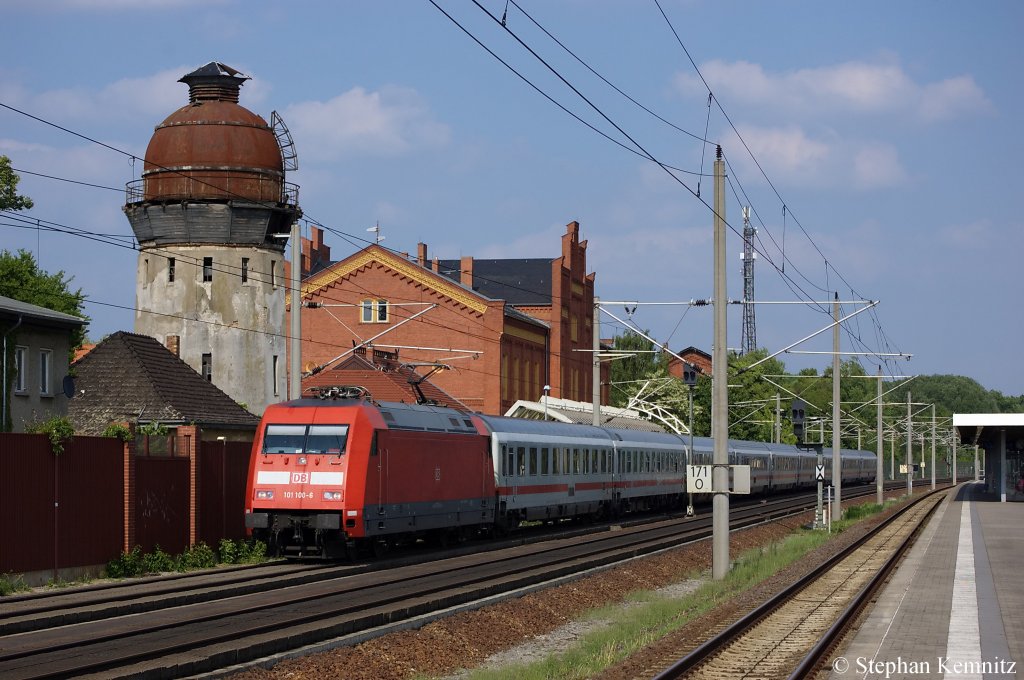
[[653, 616]]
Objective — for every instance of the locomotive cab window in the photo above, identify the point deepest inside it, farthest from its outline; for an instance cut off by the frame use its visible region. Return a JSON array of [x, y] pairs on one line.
[[315, 439]]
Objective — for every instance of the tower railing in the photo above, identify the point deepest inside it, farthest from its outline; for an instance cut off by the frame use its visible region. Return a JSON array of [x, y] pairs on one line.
[[219, 186]]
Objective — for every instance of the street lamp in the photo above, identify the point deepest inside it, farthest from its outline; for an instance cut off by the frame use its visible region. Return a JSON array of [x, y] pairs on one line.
[[547, 388], [690, 378]]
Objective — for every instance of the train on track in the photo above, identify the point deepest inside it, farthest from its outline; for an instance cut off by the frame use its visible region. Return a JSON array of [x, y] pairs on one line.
[[332, 474]]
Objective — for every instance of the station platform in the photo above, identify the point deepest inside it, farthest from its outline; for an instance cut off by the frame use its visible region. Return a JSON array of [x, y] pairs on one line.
[[955, 606]]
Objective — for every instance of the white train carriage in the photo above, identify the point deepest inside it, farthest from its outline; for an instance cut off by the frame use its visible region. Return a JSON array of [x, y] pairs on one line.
[[548, 470], [650, 469]]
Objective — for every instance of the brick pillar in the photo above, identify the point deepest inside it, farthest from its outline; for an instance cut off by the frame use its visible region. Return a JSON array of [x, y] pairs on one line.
[[466, 271], [188, 445], [129, 493]]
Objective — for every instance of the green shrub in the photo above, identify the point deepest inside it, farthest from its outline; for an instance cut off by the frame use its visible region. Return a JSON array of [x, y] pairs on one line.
[[253, 551], [157, 561], [229, 551], [119, 430], [12, 583], [198, 556], [127, 564], [153, 428], [58, 428]]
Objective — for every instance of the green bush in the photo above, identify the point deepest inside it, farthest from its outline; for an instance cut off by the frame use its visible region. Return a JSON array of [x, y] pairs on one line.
[[58, 428], [229, 551], [12, 583], [127, 564], [119, 430], [198, 556], [157, 561]]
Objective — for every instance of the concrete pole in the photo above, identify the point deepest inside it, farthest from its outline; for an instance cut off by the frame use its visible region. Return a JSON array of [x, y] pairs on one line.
[[910, 449], [295, 365], [879, 484], [778, 418], [596, 365], [954, 466], [892, 454], [837, 461], [977, 469], [933, 447], [720, 388]]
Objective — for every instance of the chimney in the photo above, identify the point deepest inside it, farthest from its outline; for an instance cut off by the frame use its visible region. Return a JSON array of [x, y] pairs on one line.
[[173, 343], [421, 254], [466, 269], [434, 264]]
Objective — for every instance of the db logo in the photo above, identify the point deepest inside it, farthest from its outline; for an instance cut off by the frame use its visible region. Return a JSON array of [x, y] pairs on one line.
[[300, 478]]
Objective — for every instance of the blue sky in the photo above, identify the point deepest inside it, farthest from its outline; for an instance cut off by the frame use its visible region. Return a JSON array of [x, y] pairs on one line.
[[889, 130]]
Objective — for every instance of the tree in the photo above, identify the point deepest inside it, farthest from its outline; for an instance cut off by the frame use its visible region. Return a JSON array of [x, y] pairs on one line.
[[9, 198], [641, 366], [22, 279]]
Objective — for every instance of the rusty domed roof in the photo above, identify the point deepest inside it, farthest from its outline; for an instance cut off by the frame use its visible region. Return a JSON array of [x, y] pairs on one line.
[[213, 148]]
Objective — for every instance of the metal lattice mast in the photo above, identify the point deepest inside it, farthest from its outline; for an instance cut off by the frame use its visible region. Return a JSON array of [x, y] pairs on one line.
[[749, 339]]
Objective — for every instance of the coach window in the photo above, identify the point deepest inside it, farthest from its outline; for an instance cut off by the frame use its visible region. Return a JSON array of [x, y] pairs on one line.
[[533, 461], [521, 460], [545, 467]]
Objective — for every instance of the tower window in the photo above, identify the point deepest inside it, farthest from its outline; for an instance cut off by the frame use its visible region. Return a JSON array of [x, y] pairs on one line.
[[274, 378], [245, 270], [207, 369], [207, 269], [170, 270], [273, 273]]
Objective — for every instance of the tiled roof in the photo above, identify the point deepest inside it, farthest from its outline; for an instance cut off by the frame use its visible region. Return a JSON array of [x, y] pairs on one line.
[[129, 377], [384, 383]]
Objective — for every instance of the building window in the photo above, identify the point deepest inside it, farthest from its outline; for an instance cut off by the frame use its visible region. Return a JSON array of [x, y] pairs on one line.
[[207, 269], [20, 365], [170, 270], [274, 370], [373, 311], [45, 368], [207, 369], [245, 270]]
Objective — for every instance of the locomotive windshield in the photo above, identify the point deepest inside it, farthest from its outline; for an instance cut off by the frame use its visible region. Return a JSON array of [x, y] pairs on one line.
[[315, 439]]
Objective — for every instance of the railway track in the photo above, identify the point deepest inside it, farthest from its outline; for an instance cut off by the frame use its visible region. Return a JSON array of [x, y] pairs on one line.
[[788, 635], [194, 625]]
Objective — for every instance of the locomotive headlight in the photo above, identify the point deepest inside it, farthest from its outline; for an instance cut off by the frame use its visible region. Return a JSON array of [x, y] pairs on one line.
[[264, 495], [302, 460], [332, 495]]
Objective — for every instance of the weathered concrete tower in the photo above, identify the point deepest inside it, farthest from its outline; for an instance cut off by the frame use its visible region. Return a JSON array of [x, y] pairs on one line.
[[212, 213]]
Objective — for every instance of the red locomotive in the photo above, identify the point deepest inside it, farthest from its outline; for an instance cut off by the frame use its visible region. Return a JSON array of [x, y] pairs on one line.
[[328, 475]]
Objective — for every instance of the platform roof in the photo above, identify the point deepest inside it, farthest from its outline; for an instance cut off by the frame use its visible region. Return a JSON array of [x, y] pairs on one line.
[[984, 429]]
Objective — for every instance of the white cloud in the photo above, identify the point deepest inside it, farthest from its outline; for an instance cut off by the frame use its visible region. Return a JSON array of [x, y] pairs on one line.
[[854, 86], [789, 151], [390, 121], [878, 165]]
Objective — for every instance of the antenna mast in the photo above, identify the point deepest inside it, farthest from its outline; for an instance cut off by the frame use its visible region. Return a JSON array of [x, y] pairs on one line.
[[749, 338]]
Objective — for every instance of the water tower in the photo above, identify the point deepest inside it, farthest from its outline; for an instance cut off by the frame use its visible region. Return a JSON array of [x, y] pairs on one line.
[[212, 213]]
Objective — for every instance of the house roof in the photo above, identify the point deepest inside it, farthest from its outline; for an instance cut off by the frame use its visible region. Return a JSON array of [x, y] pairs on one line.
[[445, 285], [129, 377], [9, 307], [385, 381], [518, 281]]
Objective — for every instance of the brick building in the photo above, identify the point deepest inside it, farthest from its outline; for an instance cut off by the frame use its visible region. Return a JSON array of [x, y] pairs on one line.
[[505, 327], [696, 357]]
